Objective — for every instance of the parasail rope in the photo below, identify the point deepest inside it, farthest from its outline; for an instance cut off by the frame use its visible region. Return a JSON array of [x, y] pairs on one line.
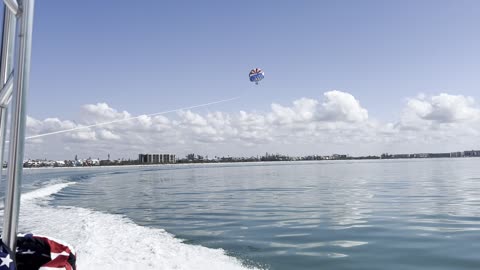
[[130, 118]]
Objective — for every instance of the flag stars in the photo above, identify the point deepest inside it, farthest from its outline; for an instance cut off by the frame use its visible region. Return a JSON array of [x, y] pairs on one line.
[[28, 251], [6, 261]]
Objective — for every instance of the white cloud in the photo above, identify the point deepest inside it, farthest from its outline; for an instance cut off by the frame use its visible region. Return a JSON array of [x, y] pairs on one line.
[[443, 108], [341, 106], [101, 112], [47, 125], [337, 122], [108, 135], [81, 136], [337, 107]]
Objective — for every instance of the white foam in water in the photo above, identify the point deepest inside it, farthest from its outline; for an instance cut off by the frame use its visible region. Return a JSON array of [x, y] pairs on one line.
[[44, 192], [106, 241]]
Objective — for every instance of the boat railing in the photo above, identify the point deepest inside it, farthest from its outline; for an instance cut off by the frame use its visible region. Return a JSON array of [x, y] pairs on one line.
[[14, 81]]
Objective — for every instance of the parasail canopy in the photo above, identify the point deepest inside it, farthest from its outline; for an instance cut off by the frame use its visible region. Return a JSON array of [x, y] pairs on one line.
[[256, 75]]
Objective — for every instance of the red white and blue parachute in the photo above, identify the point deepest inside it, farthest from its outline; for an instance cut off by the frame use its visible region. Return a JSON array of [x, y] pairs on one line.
[[256, 75]]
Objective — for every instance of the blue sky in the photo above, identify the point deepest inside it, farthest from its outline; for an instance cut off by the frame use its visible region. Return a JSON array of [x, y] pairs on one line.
[[157, 55], [165, 54]]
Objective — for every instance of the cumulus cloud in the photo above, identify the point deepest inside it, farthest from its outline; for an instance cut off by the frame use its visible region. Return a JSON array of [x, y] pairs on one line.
[[108, 135], [332, 122], [341, 106], [443, 122], [303, 110], [47, 125], [444, 108], [82, 136], [337, 107], [101, 112]]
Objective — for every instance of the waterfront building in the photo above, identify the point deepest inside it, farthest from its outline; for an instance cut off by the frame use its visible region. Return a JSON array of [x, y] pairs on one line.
[[439, 155], [59, 163], [472, 153], [156, 158], [420, 155], [457, 154]]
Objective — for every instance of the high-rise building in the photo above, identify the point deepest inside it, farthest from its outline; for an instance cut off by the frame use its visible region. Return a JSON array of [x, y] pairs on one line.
[[156, 158]]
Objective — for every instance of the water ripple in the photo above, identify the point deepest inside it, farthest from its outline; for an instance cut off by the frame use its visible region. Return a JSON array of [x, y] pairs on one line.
[[416, 214]]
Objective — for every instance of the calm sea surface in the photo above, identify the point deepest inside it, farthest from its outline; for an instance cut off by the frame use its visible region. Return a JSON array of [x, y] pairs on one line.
[[397, 214]]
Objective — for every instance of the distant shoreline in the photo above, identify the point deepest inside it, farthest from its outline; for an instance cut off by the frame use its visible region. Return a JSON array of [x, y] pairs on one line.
[[155, 159], [236, 162]]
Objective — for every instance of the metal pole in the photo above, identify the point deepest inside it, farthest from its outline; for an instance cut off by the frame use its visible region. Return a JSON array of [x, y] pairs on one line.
[[6, 92], [12, 5], [6, 70], [3, 133], [17, 130], [8, 42]]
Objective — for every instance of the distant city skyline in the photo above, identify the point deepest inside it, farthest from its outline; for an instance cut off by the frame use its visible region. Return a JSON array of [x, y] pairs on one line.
[[166, 158], [341, 77]]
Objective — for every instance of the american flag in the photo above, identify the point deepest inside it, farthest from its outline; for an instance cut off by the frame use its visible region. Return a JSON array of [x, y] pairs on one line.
[[38, 253], [6, 260]]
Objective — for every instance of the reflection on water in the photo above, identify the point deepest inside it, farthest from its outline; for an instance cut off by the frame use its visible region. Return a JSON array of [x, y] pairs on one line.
[[402, 214]]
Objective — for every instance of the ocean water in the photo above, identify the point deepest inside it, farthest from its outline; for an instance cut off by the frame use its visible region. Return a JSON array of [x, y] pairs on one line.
[[382, 214]]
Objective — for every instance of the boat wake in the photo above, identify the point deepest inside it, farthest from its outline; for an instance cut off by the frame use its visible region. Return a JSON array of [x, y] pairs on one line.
[[106, 241], [53, 187]]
